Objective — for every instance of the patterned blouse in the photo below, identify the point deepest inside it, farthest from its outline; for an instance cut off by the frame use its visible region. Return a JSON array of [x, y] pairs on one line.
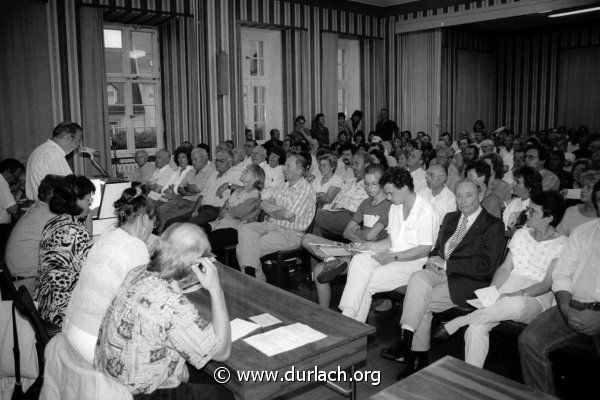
[[148, 333], [63, 249]]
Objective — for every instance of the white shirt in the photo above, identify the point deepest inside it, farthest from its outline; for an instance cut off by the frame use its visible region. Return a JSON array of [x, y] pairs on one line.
[[350, 197], [162, 176], [507, 157], [209, 196], [347, 174], [47, 158], [577, 269], [419, 229], [419, 180], [320, 187], [443, 203], [177, 177], [6, 201], [273, 179], [516, 205]]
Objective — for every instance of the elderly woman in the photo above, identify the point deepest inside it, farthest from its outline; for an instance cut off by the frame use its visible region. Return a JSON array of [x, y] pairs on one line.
[[116, 252], [151, 329], [273, 171], [524, 279], [143, 169], [527, 181], [327, 184], [243, 206], [581, 213], [64, 247], [497, 185]]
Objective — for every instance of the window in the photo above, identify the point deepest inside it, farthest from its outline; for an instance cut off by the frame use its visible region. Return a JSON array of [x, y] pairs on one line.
[[133, 88], [348, 76]]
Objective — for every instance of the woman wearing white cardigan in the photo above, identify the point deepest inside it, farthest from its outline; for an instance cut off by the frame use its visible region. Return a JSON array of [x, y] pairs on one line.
[[116, 252]]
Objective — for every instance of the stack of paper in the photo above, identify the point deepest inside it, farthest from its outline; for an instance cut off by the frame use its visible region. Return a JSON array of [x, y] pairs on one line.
[[240, 328], [284, 339], [265, 320]]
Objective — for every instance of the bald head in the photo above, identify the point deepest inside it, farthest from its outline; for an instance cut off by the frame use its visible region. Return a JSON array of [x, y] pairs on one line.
[[180, 246]]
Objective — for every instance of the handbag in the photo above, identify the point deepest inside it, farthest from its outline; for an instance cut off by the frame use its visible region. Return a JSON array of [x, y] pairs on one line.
[[33, 392]]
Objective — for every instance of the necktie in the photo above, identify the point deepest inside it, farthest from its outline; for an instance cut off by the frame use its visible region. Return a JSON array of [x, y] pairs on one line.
[[456, 238]]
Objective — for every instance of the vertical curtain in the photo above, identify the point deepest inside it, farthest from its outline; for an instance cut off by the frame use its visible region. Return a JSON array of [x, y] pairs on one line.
[[26, 113], [329, 82], [94, 111], [373, 80], [418, 59], [579, 87], [179, 59], [296, 76]]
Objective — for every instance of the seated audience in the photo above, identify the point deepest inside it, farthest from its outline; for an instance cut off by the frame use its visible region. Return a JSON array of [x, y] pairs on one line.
[[415, 164], [412, 230], [579, 167], [444, 157], [143, 169], [527, 181], [242, 206], [184, 166], [536, 158], [367, 224], [327, 184], [344, 168], [581, 213], [480, 172], [402, 158], [23, 247], [216, 191], [319, 131], [273, 172], [300, 132], [64, 247], [332, 219], [289, 213], [524, 279], [497, 185], [162, 174], [437, 193], [116, 252], [151, 329], [247, 151], [576, 317], [466, 254], [556, 164], [49, 157], [378, 157]]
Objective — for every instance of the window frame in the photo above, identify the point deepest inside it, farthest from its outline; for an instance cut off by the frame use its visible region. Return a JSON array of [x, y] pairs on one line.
[[129, 79]]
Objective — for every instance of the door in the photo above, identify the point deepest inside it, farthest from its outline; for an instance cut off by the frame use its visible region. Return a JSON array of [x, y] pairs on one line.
[[262, 85]]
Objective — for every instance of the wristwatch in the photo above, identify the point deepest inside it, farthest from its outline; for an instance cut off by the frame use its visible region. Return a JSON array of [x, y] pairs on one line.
[[524, 293]]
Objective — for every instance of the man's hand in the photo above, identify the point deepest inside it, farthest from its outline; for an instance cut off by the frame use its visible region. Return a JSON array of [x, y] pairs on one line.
[[383, 258], [221, 189], [589, 322], [436, 264], [207, 274]]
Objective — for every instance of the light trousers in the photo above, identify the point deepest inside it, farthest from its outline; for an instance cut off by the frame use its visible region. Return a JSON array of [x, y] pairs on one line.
[[427, 293], [366, 277], [481, 322], [258, 239]]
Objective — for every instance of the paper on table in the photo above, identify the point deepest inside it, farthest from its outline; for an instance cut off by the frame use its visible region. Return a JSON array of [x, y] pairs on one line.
[[265, 319], [240, 328], [475, 303], [284, 339], [488, 295]]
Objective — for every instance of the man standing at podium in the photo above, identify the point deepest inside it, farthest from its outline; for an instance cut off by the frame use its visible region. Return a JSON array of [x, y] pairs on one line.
[[49, 157]]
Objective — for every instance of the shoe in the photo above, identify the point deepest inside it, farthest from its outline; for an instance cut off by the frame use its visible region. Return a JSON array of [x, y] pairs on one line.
[[399, 350], [440, 334], [415, 361], [385, 306], [331, 269]]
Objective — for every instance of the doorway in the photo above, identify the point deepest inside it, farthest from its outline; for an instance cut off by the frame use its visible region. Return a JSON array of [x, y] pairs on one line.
[[262, 83]]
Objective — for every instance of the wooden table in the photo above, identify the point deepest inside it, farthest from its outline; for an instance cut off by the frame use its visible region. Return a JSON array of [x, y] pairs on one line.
[[345, 345], [450, 378]]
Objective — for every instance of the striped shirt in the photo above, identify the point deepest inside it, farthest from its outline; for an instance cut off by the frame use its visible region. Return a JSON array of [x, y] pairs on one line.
[[300, 199]]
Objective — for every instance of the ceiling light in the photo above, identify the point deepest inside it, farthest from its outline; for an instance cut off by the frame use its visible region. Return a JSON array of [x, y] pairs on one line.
[[565, 14]]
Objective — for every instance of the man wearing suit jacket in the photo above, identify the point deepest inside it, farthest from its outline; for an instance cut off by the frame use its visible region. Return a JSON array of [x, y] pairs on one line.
[[464, 259]]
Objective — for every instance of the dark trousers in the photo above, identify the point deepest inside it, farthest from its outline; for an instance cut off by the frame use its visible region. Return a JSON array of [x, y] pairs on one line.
[[205, 215], [545, 334], [201, 386], [222, 238]]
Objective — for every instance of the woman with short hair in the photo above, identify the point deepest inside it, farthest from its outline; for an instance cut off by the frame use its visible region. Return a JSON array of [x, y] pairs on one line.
[[327, 184], [64, 247], [116, 252]]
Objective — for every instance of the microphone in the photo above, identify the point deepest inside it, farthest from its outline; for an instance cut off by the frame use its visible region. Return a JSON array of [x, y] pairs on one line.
[[87, 150]]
